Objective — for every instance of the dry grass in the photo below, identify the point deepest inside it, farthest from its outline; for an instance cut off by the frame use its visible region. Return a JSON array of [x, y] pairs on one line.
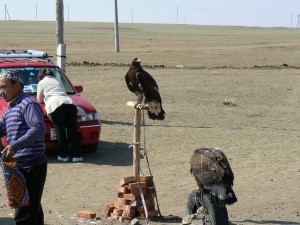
[[260, 134], [188, 45]]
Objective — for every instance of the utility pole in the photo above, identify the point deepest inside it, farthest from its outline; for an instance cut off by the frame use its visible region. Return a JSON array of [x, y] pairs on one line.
[[61, 47], [59, 22], [6, 13], [36, 11], [68, 13], [177, 13], [116, 28]]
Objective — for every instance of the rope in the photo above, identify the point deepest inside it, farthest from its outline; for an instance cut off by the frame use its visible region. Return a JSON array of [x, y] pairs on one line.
[[145, 154], [143, 200]]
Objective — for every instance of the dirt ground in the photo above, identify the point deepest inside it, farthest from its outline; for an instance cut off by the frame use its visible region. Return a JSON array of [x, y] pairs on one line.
[[260, 135]]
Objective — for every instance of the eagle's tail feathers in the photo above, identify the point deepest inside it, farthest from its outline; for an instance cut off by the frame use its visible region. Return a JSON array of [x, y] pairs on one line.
[[155, 111], [231, 196], [224, 193]]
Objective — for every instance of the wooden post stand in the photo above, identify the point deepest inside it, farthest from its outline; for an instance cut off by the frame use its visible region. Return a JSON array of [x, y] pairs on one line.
[[136, 143], [136, 193]]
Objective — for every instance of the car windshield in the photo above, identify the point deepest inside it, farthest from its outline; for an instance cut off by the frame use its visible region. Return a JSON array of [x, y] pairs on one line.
[[30, 78]]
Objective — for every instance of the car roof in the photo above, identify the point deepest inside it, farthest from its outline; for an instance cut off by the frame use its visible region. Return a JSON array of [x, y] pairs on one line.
[[20, 62], [12, 58]]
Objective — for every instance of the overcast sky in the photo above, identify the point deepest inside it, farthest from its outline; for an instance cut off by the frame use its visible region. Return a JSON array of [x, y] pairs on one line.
[[266, 13]]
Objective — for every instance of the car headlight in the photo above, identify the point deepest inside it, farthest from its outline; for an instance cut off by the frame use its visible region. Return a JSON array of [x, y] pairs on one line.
[[90, 116]]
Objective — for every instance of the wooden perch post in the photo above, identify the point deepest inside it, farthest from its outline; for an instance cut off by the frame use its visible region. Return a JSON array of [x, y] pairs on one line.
[[137, 138], [136, 194]]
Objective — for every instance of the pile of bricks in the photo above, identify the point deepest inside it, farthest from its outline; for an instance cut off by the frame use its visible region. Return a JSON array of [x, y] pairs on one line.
[[129, 204]]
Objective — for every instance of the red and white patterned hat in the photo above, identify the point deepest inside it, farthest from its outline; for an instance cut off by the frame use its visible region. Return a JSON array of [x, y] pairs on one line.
[[12, 75]]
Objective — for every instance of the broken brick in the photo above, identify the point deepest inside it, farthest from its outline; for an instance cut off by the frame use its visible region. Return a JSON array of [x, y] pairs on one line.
[[109, 209], [86, 214]]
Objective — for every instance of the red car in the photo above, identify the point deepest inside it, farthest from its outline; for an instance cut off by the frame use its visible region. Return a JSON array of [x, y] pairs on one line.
[[29, 63]]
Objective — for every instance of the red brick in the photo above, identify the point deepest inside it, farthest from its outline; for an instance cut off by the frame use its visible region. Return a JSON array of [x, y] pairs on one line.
[[136, 185], [137, 191], [151, 214], [124, 190], [130, 208], [132, 197], [128, 213], [86, 214], [122, 206], [124, 201], [120, 195], [124, 219], [150, 207], [109, 209], [117, 212], [151, 190], [127, 180], [149, 201], [146, 179], [149, 196], [136, 203]]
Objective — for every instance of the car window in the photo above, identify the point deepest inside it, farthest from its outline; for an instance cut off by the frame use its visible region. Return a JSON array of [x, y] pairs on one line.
[[30, 78]]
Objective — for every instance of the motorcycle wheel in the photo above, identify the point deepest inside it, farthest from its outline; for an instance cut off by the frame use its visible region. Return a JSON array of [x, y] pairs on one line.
[[200, 204]]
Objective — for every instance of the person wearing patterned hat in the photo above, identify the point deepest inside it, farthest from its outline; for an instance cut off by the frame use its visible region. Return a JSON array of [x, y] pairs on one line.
[[24, 127], [12, 75]]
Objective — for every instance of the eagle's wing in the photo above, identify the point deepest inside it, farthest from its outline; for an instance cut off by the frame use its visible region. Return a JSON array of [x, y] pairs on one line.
[[212, 171], [206, 168], [223, 161], [148, 85], [127, 79]]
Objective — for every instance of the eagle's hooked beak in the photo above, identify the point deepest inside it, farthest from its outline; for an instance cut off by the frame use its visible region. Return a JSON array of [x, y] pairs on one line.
[[136, 59]]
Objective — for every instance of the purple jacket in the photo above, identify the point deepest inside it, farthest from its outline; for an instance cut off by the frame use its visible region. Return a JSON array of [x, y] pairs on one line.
[[24, 126]]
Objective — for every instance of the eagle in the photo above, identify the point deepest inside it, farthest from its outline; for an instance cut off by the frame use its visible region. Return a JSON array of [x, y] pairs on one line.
[[213, 174], [146, 89]]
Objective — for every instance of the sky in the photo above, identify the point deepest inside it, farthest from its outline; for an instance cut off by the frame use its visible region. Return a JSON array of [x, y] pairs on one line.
[[263, 13]]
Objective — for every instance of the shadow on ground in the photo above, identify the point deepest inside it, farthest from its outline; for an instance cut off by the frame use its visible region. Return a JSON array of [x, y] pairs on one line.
[[167, 219], [108, 153], [267, 222], [6, 221]]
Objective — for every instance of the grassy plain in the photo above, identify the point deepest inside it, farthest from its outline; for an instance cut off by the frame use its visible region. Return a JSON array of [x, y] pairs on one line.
[[260, 134]]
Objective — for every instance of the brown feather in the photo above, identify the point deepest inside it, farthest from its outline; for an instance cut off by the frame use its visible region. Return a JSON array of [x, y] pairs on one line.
[[145, 87], [211, 169]]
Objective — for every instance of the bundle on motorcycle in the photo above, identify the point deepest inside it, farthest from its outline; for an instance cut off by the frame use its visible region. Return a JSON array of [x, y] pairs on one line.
[[214, 178]]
